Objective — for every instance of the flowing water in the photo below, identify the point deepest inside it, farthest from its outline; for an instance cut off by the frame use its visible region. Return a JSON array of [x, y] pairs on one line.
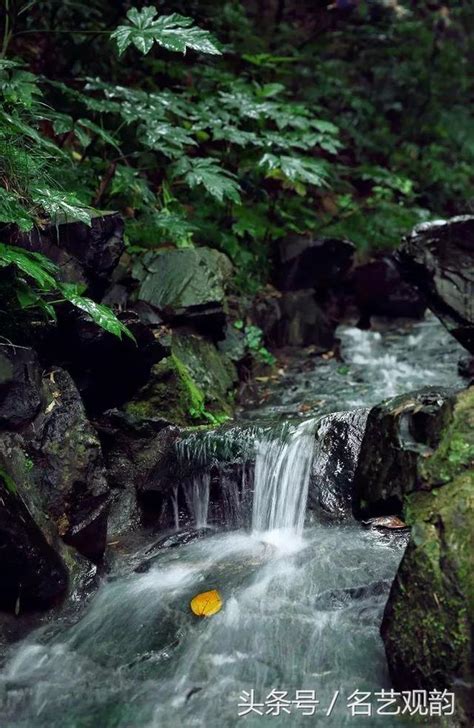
[[302, 598]]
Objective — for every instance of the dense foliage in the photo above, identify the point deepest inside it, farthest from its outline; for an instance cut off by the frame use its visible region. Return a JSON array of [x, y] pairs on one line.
[[251, 121]]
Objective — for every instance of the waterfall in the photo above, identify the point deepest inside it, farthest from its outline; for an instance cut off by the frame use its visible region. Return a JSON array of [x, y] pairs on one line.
[[282, 471], [200, 499]]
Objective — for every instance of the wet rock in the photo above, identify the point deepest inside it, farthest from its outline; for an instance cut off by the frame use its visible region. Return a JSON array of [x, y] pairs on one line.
[[379, 290], [390, 523], [21, 394], [141, 468], [233, 344], [466, 368], [173, 540], [438, 258], [399, 432], [337, 446], [186, 286], [428, 622], [334, 599], [304, 262], [84, 254], [107, 370], [69, 469], [33, 574], [180, 538]]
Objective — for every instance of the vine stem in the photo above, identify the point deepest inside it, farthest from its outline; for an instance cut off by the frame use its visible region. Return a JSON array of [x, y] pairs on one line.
[[7, 33]]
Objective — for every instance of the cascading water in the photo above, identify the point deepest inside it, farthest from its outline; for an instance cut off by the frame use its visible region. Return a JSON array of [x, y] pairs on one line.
[[198, 495], [301, 606], [282, 470]]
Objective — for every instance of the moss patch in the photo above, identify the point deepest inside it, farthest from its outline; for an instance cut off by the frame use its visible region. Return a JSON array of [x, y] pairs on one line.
[[194, 385], [455, 452], [429, 618]]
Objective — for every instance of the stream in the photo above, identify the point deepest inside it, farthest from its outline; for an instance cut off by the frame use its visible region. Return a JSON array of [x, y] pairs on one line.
[[303, 597]]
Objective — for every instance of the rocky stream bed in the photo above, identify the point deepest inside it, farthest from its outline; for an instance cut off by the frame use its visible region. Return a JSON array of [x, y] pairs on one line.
[[116, 512]]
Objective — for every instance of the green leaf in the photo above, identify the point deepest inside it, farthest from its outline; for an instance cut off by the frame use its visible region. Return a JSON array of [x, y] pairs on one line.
[[218, 182], [295, 169], [98, 131], [36, 266], [101, 315], [11, 210], [174, 32], [60, 204]]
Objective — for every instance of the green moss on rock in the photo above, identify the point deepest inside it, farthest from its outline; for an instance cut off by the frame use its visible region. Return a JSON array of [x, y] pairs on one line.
[[455, 452], [194, 385], [429, 618]]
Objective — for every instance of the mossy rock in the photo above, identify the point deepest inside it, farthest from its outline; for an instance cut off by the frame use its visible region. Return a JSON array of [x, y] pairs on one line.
[[429, 619], [399, 433], [194, 385]]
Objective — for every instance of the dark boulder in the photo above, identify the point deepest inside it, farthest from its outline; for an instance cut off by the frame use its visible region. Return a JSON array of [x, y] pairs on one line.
[[85, 254], [438, 258], [186, 286], [107, 370], [69, 470], [304, 262], [302, 322], [337, 446], [33, 574], [21, 393], [141, 468], [293, 319], [379, 290], [429, 618], [466, 368], [397, 432]]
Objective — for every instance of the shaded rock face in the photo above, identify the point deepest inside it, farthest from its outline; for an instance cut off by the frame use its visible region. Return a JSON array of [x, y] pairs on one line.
[[20, 386], [338, 442], [438, 258], [141, 468], [33, 574], [319, 264], [294, 319], [302, 322], [65, 466], [84, 254], [397, 432], [379, 290], [107, 370], [186, 286], [429, 618], [70, 470]]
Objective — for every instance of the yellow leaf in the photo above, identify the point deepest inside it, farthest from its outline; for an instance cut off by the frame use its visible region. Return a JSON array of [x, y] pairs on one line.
[[206, 604]]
